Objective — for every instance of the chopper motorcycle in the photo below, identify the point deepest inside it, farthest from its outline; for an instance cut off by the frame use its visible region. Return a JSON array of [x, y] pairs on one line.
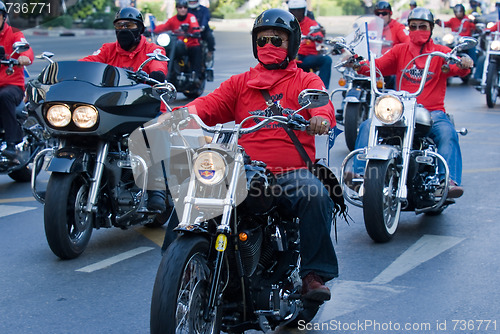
[[234, 265], [491, 69], [91, 108], [180, 73], [35, 138], [401, 161]]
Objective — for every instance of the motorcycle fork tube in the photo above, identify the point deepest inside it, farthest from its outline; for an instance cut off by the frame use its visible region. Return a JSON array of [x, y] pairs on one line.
[[402, 192], [95, 181]]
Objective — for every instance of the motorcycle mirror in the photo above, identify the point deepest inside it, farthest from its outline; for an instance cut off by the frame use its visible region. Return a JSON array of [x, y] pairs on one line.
[[158, 56], [20, 47], [163, 40], [466, 43], [313, 98], [314, 29]]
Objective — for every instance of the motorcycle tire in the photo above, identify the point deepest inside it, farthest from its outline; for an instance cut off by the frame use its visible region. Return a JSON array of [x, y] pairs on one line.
[[182, 288], [354, 115], [21, 175], [67, 227], [491, 85], [381, 208]]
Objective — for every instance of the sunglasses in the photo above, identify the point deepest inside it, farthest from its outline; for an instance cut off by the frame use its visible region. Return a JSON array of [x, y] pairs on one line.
[[414, 27], [381, 13], [181, 7], [125, 25], [275, 40]]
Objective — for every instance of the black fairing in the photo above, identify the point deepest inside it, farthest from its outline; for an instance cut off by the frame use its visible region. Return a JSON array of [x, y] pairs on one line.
[[123, 104]]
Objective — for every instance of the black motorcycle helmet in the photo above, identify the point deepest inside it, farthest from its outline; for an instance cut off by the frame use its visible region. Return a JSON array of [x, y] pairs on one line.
[[133, 14], [181, 3], [281, 19], [383, 6], [422, 14], [3, 11], [459, 8]]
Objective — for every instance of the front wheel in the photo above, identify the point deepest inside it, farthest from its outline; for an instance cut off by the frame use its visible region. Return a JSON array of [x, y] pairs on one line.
[[182, 288], [491, 85], [354, 115], [381, 208], [68, 226]]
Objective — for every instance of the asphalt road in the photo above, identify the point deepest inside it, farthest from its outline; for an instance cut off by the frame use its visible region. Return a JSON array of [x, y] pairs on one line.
[[438, 275]]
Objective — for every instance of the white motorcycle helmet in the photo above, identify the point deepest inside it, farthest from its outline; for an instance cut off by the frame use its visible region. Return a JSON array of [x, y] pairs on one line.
[[298, 4], [193, 4]]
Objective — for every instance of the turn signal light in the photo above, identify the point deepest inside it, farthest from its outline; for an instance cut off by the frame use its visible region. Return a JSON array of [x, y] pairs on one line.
[[185, 40], [243, 236], [380, 84], [445, 68], [342, 82]]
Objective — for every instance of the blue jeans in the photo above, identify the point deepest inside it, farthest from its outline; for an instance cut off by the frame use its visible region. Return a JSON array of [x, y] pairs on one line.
[[323, 63], [304, 196], [442, 132]]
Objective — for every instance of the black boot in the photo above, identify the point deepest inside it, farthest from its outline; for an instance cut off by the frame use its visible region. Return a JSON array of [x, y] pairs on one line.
[[156, 200], [11, 152]]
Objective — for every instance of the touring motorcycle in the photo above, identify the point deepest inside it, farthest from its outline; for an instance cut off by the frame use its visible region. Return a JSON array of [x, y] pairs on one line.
[[491, 70], [35, 138], [234, 265], [91, 109], [401, 161], [180, 73]]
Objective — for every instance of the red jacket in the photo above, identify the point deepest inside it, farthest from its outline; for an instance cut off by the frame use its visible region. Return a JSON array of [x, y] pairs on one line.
[[396, 33], [113, 54], [467, 28], [9, 36], [308, 47], [240, 97], [395, 60], [173, 24]]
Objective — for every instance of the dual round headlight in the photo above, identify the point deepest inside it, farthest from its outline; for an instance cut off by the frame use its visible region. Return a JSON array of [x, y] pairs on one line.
[[388, 109], [210, 167], [84, 116]]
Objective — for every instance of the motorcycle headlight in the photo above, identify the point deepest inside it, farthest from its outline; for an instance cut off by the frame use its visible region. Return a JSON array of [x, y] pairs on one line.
[[448, 39], [163, 40], [59, 115], [210, 167], [388, 109], [85, 116], [495, 46]]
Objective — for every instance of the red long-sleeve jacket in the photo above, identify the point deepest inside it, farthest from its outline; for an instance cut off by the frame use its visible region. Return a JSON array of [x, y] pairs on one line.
[[8, 36], [173, 24], [396, 33], [113, 54], [240, 96], [308, 47], [455, 23], [395, 60]]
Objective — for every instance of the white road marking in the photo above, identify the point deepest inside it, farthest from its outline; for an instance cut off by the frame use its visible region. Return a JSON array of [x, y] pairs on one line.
[[114, 259], [426, 248], [349, 296], [7, 210]]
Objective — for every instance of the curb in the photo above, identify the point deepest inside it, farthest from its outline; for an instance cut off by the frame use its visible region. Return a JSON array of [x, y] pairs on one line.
[[66, 32]]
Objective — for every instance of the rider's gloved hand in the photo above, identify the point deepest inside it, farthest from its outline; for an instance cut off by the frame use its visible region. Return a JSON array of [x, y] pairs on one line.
[[158, 76], [466, 63], [317, 38]]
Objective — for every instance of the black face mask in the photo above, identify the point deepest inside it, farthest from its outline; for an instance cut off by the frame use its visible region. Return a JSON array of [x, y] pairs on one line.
[[181, 18], [128, 38]]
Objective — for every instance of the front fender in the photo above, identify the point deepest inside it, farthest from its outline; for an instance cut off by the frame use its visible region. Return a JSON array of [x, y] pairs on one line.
[[69, 160], [382, 152]]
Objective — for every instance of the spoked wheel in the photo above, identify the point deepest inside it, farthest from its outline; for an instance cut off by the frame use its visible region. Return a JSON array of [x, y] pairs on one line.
[[181, 290], [354, 115], [491, 85], [381, 208], [67, 226]]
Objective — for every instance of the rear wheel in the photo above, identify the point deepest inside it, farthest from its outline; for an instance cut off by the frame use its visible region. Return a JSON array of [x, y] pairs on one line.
[[381, 208], [491, 85], [181, 290], [68, 226], [354, 115]]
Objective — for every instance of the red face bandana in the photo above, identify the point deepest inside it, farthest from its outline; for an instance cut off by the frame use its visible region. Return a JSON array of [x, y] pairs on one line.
[[419, 37], [270, 54]]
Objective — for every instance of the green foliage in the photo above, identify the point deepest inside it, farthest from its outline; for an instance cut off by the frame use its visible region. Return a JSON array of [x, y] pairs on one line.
[[224, 8], [155, 8], [351, 7], [60, 21]]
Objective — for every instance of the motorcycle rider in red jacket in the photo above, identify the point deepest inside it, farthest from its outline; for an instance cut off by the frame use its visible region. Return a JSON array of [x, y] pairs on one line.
[[11, 86], [421, 23], [275, 39], [308, 56], [394, 32], [130, 51], [193, 44]]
